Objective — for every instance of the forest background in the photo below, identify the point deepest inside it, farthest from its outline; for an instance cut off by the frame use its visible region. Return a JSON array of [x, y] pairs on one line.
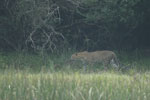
[[38, 37], [52, 25]]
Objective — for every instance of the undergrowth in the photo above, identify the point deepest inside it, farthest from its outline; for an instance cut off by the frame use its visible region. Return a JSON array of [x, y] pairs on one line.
[[26, 76]]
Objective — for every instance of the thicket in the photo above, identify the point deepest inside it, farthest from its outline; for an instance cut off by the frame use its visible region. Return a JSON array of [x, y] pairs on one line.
[[81, 24]]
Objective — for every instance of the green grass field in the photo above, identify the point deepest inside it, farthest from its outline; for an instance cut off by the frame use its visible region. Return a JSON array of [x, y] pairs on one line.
[[20, 85], [23, 77]]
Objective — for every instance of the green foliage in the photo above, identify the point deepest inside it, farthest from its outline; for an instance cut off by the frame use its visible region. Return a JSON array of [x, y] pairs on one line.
[[104, 24], [28, 76], [136, 60], [73, 86], [115, 20], [85, 24]]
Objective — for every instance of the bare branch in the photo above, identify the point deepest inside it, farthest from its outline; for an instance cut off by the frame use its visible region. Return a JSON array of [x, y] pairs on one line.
[[43, 35]]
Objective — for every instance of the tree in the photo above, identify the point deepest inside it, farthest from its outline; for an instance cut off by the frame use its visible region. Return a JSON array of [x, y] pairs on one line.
[[32, 22]]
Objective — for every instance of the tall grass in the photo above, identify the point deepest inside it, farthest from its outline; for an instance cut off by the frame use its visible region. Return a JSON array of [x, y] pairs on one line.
[[134, 60], [24, 76], [73, 86]]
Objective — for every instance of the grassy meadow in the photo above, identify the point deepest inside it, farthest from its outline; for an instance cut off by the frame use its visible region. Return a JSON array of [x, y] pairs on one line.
[[28, 77]]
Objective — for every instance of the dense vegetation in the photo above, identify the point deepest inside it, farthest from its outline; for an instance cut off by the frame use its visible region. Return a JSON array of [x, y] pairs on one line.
[[37, 38], [23, 76], [80, 24], [77, 86]]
